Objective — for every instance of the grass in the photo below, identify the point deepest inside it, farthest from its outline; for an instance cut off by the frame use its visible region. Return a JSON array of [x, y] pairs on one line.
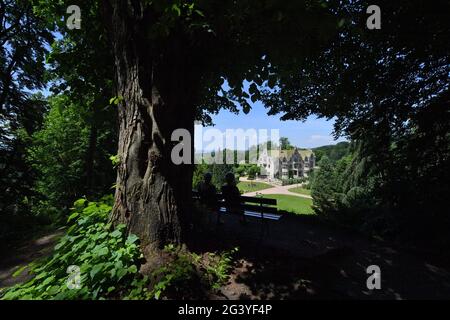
[[300, 190], [252, 186], [293, 204]]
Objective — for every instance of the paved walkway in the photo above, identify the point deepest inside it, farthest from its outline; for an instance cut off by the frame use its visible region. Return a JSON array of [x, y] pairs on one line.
[[278, 190]]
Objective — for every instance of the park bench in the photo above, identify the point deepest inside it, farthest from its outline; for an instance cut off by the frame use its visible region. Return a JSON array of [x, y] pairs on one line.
[[253, 207]]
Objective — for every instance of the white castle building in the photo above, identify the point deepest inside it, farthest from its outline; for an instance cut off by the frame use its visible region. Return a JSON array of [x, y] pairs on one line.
[[282, 164]]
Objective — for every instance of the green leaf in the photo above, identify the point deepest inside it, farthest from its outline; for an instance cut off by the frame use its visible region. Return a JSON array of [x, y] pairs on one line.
[[132, 238], [115, 160], [53, 290], [96, 269], [103, 251], [116, 234], [48, 280], [177, 9], [132, 269], [41, 275], [73, 216], [19, 271], [121, 273], [199, 13], [115, 100], [79, 204]]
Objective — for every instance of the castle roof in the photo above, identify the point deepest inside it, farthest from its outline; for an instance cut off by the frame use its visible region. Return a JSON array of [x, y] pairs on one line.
[[289, 153]]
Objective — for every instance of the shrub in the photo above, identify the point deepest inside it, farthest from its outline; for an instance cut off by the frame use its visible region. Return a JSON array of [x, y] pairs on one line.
[[286, 182], [190, 275], [108, 261], [252, 171]]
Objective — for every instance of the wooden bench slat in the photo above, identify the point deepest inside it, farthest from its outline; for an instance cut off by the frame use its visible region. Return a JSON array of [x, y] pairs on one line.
[[259, 200], [257, 208], [269, 216], [254, 207], [254, 214]]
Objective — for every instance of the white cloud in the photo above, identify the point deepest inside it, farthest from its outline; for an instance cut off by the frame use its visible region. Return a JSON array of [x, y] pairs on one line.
[[320, 138]]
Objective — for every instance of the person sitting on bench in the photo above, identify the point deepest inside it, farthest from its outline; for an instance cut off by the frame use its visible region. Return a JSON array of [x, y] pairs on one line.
[[208, 192], [232, 196]]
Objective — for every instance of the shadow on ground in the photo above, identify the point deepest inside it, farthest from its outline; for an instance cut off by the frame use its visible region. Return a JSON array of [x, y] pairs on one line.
[[301, 258]]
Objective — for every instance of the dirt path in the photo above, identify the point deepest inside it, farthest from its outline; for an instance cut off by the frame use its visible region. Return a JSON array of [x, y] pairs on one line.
[[21, 255], [303, 259]]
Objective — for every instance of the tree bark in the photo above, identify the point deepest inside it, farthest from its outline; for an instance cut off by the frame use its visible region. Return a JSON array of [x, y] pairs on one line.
[[153, 195]]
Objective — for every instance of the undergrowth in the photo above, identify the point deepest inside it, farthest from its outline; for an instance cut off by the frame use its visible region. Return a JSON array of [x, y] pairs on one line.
[[93, 262], [190, 275]]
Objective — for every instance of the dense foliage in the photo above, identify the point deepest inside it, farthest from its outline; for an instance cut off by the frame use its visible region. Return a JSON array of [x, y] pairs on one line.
[[389, 92], [17, 175], [108, 262], [60, 154], [23, 39], [218, 172], [333, 152], [190, 275], [290, 181]]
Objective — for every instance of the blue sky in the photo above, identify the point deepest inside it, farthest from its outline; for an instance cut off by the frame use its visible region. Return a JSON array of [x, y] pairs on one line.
[[312, 133]]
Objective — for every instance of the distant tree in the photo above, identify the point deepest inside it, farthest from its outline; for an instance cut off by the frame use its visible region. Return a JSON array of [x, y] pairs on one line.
[[218, 172], [253, 170], [57, 154], [323, 186], [23, 39], [80, 66], [387, 91], [285, 144], [333, 152], [240, 170], [17, 177]]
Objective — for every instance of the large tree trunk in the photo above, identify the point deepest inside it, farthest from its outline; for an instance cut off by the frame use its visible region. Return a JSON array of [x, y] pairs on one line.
[[153, 195]]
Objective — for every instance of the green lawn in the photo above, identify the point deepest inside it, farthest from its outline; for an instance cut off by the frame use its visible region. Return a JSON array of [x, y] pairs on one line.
[[252, 186], [292, 203], [300, 190]]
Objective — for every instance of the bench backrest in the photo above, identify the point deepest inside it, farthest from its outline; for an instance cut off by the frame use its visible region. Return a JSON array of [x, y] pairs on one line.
[[257, 204]]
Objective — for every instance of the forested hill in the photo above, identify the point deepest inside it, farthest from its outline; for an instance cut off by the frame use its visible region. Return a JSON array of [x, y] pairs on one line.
[[333, 151]]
